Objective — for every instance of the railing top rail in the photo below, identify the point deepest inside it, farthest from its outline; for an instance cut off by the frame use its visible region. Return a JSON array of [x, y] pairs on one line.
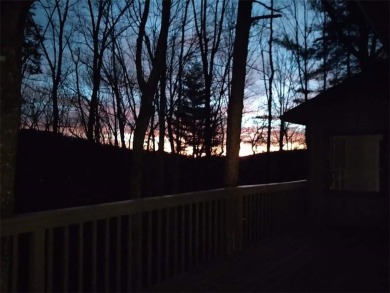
[[49, 219], [271, 187]]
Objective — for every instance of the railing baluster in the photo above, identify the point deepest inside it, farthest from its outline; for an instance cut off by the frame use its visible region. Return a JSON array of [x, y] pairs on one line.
[[288, 208], [267, 215], [222, 227], [262, 215], [81, 257], [94, 256], [250, 220], [216, 230], [107, 254], [159, 244], [273, 214], [129, 254], [14, 261], [149, 250], [119, 254], [275, 211], [190, 231], [139, 254], [252, 213], [37, 269], [50, 248], [196, 246], [204, 231], [182, 239], [280, 211], [175, 241], [245, 224], [66, 258], [258, 218], [209, 228], [267, 223], [283, 215], [167, 243]]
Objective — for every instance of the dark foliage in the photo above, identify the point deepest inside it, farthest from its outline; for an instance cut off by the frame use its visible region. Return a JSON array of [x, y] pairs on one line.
[[54, 171], [192, 113], [349, 42], [31, 55]]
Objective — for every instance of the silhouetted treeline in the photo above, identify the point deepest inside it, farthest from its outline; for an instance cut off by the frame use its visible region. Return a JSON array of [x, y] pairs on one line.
[[56, 171]]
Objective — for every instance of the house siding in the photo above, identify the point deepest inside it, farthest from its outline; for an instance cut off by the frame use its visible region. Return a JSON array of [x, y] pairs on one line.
[[354, 115]]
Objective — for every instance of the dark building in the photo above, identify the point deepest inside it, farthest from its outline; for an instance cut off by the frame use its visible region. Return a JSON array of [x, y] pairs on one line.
[[347, 131]]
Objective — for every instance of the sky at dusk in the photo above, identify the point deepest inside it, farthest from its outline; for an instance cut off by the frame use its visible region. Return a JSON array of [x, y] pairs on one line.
[[76, 82]]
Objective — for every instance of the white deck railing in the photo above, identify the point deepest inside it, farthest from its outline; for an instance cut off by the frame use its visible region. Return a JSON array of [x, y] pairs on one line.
[[129, 245]]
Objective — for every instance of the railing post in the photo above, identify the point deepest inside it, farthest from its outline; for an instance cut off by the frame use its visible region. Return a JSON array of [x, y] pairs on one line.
[[37, 265], [234, 233]]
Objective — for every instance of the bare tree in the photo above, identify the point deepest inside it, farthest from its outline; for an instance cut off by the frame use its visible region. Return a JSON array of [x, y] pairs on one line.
[[115, 78], [36, 111], [57, 16], [255, 135], [299, 37], [148, 88], [283, 87], [181, 51], [240, 52], [104, 19], [79, 99], [13, 16], [270, 79], [209, 25]]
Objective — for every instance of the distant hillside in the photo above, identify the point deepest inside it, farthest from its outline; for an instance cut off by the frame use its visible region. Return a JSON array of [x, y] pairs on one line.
[[54, 171]]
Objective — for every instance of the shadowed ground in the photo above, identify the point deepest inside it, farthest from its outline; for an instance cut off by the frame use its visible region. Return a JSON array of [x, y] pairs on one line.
[[327, 261]]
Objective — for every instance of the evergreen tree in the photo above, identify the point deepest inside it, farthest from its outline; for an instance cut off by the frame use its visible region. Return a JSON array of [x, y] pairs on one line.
[[190, 122], [190, 115], [31, 54], [348, 43], [298, 39]]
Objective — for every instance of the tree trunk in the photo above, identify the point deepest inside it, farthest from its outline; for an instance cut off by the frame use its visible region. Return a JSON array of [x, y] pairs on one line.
[[162, 112], [281, 135], [236, 98], [270, 82], [13, 18], [58, 74], [148, 90]]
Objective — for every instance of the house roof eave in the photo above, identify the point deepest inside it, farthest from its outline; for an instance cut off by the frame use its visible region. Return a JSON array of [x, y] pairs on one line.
[[365, 82]]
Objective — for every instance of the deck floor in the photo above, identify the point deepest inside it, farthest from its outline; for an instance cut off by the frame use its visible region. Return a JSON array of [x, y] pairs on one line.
[[327, 261]]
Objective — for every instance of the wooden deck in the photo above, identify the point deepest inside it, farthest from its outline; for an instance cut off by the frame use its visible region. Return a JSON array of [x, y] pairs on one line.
[[129, 245], [183, 243], [327, 261]]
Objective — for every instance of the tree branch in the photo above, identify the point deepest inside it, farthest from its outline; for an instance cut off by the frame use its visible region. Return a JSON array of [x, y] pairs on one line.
[[256, 18], [266, 6]]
